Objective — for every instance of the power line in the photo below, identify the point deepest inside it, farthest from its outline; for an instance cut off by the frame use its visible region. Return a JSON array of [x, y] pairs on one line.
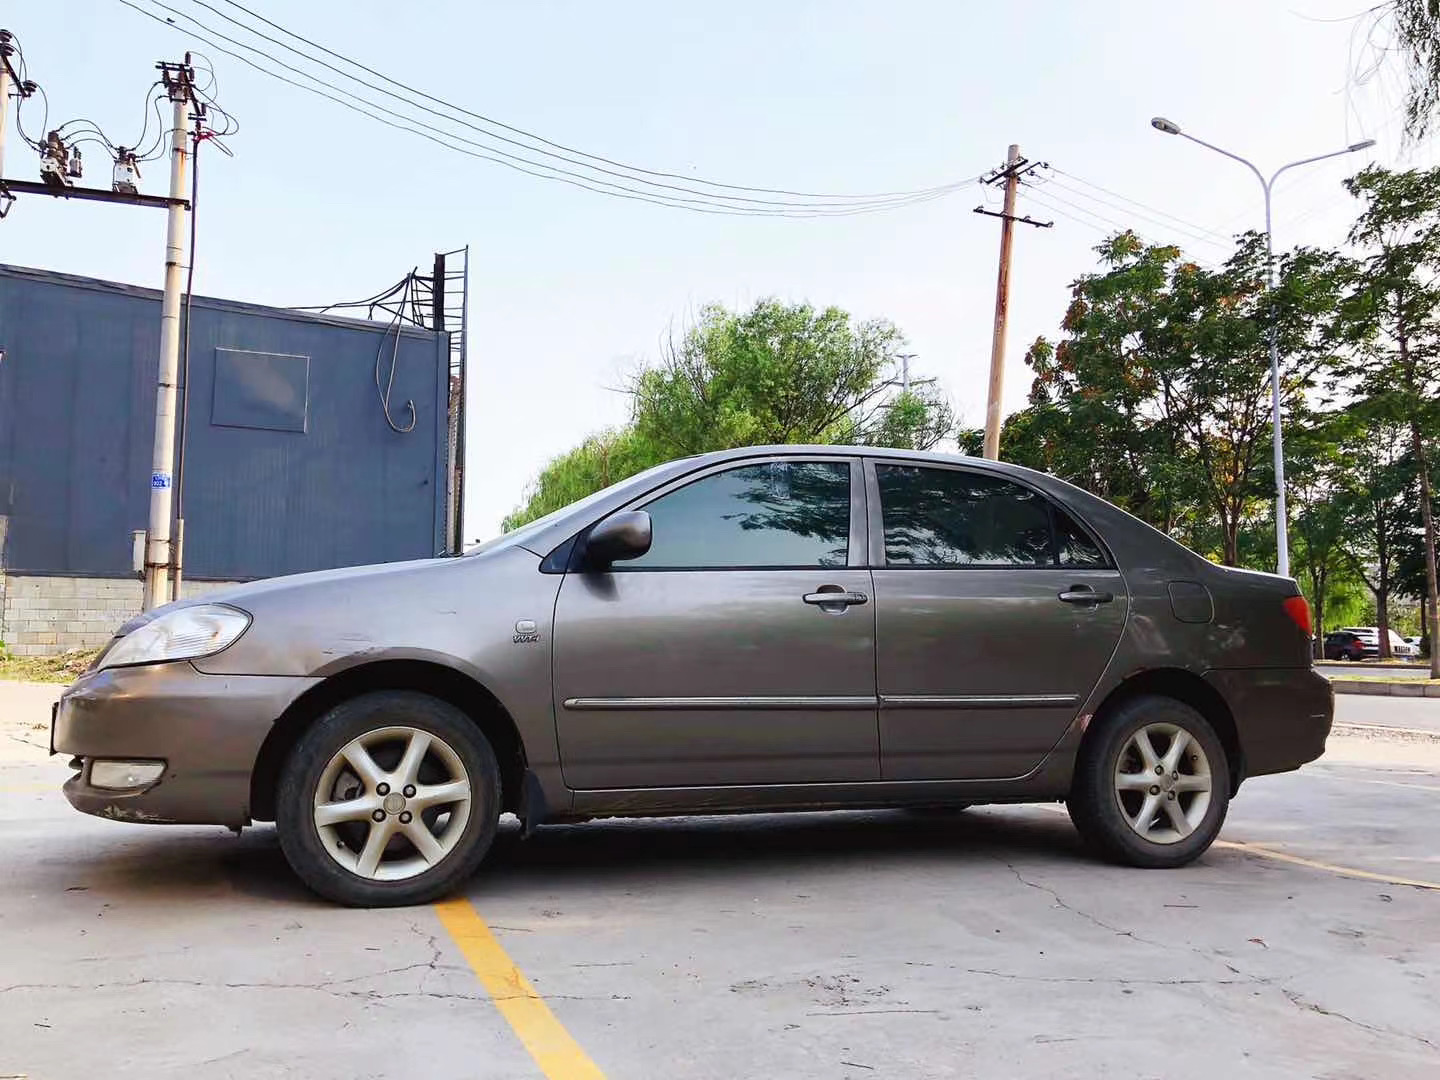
[[707, 198], [1143, 206], [711, 202], [1103, 226], [521, 131], [1122, 226]]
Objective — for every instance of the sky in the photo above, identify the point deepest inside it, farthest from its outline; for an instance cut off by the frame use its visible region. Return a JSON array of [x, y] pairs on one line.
[[572, 291]]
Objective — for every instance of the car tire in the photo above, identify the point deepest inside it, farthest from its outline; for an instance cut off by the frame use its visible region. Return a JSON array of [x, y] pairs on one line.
[[336, 791], [1113, 785]]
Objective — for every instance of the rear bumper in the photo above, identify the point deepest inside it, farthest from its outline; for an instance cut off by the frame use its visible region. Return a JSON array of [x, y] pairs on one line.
[[1282, 715], [208, 730]]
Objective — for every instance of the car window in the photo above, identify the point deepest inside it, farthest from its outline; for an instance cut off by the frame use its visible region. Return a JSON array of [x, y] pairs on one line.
[[952, 517], [775, 514], [1073, 545]]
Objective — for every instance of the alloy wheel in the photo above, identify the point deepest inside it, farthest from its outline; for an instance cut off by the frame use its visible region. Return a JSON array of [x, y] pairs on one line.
[[1163, 783], [392, 803]]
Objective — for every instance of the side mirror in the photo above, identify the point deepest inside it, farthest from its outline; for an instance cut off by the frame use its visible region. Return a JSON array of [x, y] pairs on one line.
[[617, 538]]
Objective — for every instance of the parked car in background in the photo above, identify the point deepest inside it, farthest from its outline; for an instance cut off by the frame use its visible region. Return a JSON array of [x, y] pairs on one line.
[[781, 628], [1348, 645], [1399, 647]]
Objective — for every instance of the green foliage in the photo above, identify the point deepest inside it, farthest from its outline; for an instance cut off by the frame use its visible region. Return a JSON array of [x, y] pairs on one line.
[[1414, 33], [598, 462], [1391, 321], [1157, 397], [779, 373]]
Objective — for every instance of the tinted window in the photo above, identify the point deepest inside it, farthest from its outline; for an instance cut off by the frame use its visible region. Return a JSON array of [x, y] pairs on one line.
[[1073, 544], [781, 513], [949, 517]]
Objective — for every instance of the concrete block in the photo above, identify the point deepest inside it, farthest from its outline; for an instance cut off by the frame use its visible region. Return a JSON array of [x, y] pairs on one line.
[[1432, 689], [1414, 688], [42, 637]]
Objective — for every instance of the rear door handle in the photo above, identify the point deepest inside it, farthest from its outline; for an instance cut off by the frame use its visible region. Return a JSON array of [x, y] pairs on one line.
[[1084, 594], [833, 596]]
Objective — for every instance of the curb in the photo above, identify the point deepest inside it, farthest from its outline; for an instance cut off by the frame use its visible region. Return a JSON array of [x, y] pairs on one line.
[[1393, 688], [1378, 731]]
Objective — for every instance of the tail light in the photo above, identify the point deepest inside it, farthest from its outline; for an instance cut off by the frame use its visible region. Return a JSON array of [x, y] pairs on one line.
[[1298, 608]]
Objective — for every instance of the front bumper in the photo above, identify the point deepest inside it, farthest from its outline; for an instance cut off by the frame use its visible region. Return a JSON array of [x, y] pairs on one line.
[[208, 729], [1282, 715]]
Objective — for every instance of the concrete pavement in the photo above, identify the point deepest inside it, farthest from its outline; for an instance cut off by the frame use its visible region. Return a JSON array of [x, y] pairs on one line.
[[815, 945]]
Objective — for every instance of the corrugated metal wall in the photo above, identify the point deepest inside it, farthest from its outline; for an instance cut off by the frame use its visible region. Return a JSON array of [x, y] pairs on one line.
[[290, 464]]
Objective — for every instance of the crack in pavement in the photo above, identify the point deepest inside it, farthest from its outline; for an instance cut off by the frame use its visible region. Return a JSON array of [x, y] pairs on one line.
[[1212, 955], [1076, 911], [1243, 977], [319, 988], [1301, 1002], [1113, 980]]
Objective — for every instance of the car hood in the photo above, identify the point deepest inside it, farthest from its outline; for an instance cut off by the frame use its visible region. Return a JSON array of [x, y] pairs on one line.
[[429, 608]]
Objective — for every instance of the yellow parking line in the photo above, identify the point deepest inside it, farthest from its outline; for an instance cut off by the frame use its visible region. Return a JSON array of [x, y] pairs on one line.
[[553, 1048], [1284, 856], [1315, 864]]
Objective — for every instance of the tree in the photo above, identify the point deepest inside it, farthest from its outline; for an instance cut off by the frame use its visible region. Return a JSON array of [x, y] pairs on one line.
[[598, 462], [779, 373], [1158, 396], [1317, 448], [1410, 28], [1392, 316], [1375, 504]]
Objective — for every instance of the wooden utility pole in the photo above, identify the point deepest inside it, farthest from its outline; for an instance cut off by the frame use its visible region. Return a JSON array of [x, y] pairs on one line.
[[1015, 167]]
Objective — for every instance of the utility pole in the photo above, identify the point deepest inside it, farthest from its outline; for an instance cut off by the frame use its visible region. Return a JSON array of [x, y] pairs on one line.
[[179, 82], [5, 77], [1015, 167]]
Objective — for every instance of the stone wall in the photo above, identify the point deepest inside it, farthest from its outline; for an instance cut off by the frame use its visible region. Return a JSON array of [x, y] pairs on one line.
[[40, 616]]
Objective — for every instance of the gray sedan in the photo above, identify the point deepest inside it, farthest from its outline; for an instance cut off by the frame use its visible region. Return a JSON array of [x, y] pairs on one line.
[[781, 628]]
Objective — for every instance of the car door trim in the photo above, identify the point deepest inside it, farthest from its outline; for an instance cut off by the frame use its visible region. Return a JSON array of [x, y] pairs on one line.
[[717, 704], [977, 701]]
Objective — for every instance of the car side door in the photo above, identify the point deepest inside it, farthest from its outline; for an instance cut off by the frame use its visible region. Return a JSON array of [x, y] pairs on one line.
[[996, 614], [738, 650]]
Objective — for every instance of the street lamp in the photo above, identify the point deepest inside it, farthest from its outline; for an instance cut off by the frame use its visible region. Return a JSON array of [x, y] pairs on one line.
[[1169, 127]]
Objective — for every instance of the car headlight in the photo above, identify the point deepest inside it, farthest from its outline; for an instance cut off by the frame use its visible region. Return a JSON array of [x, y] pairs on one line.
[[183, 634]]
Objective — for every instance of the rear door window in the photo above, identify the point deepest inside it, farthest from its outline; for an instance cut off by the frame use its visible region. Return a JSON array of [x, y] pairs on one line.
[[952, 517], [956, 517]]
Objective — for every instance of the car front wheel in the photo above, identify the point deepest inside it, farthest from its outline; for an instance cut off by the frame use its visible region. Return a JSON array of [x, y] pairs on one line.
[[1151, 784], [391, 798]]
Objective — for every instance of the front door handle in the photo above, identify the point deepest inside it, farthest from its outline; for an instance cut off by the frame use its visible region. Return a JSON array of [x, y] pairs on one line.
[[834, 598], [1084, 594]]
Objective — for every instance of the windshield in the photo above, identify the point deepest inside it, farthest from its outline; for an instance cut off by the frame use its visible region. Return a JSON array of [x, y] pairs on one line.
[[518, 537]]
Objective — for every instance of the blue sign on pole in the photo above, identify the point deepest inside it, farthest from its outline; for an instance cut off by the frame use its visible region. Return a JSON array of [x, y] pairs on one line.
[[159, 479]]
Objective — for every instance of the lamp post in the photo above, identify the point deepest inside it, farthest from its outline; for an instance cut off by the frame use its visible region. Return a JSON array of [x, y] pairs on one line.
[[1169, 127]]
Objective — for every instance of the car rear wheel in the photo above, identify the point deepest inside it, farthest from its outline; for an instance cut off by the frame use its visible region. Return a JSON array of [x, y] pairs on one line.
[[1151, 784], [391, 798]]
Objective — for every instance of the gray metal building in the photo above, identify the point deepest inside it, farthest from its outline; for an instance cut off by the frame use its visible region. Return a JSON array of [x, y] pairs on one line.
[[293, 459]]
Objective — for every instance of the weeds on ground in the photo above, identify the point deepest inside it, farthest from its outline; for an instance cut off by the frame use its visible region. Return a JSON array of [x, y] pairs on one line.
[[62, 668]]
